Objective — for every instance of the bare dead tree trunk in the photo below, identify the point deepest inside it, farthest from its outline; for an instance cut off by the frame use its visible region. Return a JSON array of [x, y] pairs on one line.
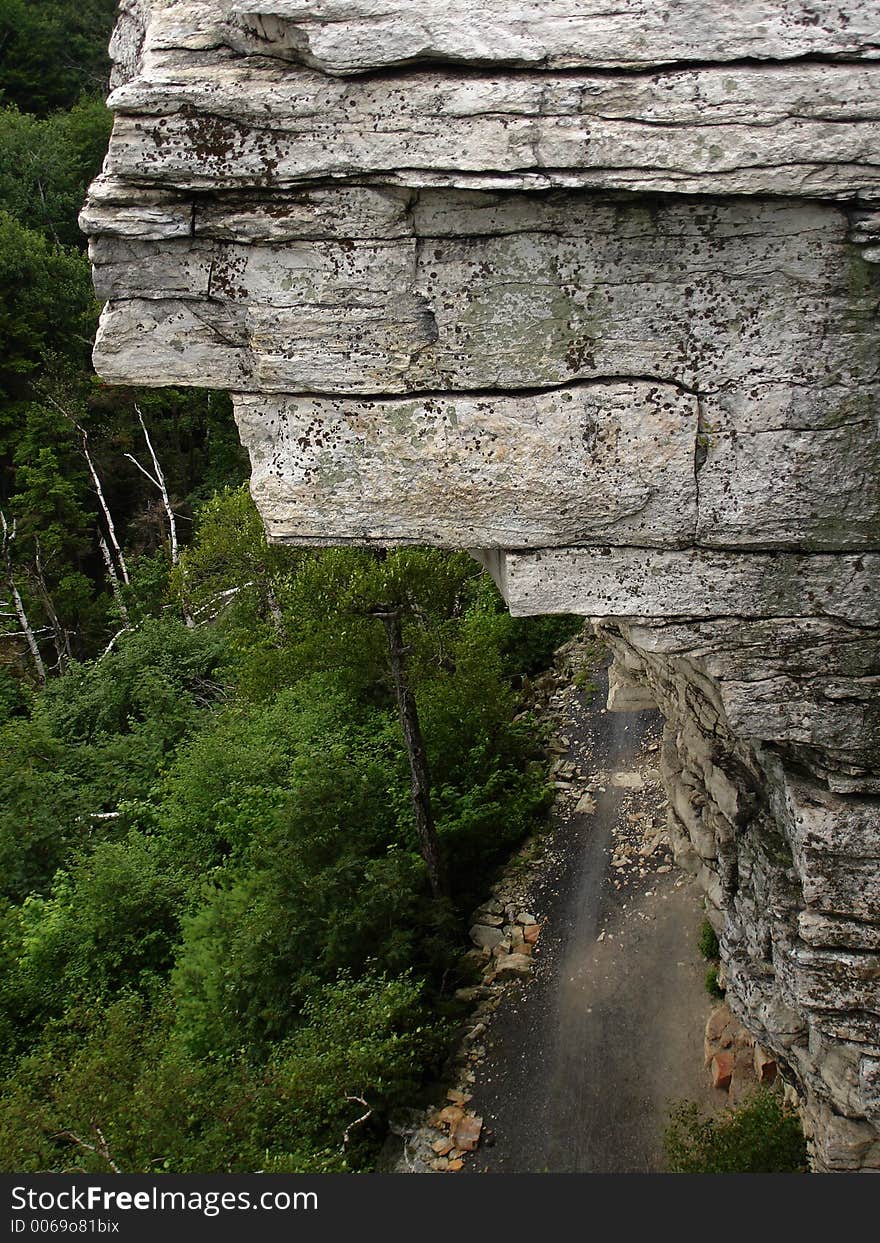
[[59, 633], [108, 517], [420, 772], [102, 500], [158, 481], [275, 611], [21, 614], [113, 577]]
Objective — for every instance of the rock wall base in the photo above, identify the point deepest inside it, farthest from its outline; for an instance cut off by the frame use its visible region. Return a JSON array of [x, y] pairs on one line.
[[791, 873]]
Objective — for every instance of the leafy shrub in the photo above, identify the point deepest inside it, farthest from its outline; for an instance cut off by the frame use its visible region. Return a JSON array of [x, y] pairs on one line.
[[42, 808], [370, 1038], [116, 1077], [531, 641], [112, 922], [218, 902], [708, 942], [762, 1136], [97, 737], [713, 988]]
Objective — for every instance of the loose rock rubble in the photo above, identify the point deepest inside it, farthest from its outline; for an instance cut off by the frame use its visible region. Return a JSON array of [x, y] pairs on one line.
[[736, 1062], [641, 847], [505, 935]]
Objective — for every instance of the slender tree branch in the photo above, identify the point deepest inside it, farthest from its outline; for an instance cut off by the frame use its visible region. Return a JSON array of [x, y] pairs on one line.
[[359, 1100], [159, 481], [96, 480], [155, 482], [161, 485], [217, 603], [100, 1149], [113, 576], [9, 534], [119, 633], [62, 639]]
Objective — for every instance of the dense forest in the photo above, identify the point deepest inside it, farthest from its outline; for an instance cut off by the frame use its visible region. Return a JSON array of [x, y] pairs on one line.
[[216, 924]]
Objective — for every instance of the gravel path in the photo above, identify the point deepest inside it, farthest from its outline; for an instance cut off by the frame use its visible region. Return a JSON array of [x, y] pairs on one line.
[[582, 1063]]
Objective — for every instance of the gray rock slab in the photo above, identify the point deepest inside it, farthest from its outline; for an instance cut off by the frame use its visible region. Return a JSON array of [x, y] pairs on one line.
[[556, 467], [627, 582], [345, 37]]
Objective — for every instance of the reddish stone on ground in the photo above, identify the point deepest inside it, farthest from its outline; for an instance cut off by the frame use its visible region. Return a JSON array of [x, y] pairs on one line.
[[466, 1133], [722, 1069]]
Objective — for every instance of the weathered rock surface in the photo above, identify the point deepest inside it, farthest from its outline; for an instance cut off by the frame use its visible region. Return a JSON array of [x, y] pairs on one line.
[[791, 869], [344, 37], [694, 582], [216, 121], [593, 289], [472, 470]]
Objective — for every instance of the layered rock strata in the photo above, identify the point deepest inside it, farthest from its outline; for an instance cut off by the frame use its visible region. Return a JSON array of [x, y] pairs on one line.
[[592, 289]]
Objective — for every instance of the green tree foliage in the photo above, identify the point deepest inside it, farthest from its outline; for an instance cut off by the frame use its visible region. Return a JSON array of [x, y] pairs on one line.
[[46, 165], [211, 856], [40, 806], [48, 397], [96, 738], [46, 302], [110, 923], [762, 1136], [115, 1078], [53, 51], [326, 882], [46, 305]]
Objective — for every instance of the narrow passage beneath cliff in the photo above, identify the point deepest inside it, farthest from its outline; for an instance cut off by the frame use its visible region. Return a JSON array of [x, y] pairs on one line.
[[582, 1064]]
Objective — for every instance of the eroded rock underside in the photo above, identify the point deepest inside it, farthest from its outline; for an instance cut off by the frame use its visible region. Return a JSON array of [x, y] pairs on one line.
[[590, 287]]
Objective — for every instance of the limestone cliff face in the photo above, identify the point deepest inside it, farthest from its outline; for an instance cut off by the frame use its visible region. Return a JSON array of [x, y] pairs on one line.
[[591, 287]]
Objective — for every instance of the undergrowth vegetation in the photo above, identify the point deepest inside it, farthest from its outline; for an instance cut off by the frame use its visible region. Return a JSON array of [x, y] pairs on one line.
[[761, 1136], [215, 914]]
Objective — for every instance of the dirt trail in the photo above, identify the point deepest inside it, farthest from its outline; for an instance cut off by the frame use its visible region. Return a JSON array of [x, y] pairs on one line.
[[581, 1065]]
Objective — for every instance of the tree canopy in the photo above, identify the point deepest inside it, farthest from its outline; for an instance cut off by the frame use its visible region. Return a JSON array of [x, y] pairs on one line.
[[53, 51]]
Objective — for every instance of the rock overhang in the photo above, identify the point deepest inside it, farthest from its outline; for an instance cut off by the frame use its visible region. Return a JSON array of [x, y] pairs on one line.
[[592, 289]]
